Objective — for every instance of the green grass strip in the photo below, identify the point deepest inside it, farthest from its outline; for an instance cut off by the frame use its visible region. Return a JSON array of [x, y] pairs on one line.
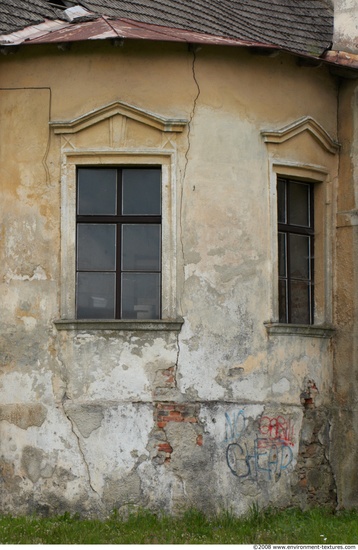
[[290, 526]]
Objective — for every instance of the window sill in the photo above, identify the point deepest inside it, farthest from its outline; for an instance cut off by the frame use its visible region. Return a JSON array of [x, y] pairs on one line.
[[310, 331], [120, 324]]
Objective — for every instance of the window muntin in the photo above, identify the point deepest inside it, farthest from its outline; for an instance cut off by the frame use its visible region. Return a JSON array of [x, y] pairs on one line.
[[118, 261], [295, 251]]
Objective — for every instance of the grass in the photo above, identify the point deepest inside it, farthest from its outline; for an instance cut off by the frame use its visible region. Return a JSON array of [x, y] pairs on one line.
[[269, 527]]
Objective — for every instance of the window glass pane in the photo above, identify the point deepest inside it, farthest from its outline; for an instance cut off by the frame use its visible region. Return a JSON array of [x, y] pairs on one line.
[[300, 302], [141, 191], [140, 247], [140, 295], [299, 256], [96, 247], [97, 191], [282, 300], [282, 255], [281, 201], [299, 204], [95, 295]]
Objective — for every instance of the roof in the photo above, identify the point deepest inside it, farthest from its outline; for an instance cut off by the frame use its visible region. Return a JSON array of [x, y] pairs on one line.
[[300, 26]]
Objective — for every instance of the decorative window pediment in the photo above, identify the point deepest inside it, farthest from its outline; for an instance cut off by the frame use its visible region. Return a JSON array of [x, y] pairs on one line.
[[305, 124], [148, 118]]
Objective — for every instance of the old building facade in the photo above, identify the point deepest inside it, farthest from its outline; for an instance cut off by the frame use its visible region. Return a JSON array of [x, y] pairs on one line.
[[178, 266]]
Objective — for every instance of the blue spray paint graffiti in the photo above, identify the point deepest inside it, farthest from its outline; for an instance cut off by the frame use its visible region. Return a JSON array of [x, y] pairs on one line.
[[234, 427], [248, 457]]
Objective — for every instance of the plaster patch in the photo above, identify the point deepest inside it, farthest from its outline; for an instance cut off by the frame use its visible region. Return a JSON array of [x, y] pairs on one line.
[[123, 491], [29, 322], [34, 463], [227, 273], [192, 257], [253, 388], [282, 386], [253, 362], [23, 416], [9, 480], [217, 252], [86, 417]]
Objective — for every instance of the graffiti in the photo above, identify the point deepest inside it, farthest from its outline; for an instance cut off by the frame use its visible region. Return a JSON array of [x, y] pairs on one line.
[[268, 457], [234, 426], [277, 428], [249, 457]]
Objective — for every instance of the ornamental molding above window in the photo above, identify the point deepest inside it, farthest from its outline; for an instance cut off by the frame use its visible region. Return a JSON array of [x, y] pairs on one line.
[[305, 124], [148, 118]]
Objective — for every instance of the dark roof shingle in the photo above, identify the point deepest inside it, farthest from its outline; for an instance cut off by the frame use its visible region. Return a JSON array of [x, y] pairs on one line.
[[300, 26]]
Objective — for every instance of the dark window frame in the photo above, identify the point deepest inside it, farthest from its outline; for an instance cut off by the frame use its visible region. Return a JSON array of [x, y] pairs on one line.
[[287, 228], [119, 220]]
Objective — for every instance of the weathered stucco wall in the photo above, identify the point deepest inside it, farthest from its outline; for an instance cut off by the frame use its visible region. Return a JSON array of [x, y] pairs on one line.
[[217, 412], [344, 428], [345, 26]]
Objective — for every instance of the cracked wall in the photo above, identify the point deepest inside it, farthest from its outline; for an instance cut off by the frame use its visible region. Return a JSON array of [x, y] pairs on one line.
[[213, 414]]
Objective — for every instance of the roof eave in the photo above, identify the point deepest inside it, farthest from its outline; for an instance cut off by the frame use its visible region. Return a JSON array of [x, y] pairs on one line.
[[103, 28]]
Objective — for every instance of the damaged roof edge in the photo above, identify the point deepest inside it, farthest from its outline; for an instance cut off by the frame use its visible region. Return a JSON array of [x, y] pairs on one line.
[[342, 59], [90, 26], [103, 27]]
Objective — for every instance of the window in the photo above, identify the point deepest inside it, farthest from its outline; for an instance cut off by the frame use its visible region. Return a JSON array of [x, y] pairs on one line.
[[118, 243], [295, 251]]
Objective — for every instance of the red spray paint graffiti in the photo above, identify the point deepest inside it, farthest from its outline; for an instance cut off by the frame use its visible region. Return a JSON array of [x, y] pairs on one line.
[[277, 428]]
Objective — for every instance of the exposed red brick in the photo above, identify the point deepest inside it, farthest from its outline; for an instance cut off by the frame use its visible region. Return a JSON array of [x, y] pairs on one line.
[[309, 401], [165, 447], [166, 406], [199, 440], [175, 413], [161, 424], [170, 376], [168, 372]]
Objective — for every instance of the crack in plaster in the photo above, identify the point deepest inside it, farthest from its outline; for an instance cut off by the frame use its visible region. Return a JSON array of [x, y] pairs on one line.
[[176, 366], [327, 453], [193, 50], [44, 160], [63, 401]]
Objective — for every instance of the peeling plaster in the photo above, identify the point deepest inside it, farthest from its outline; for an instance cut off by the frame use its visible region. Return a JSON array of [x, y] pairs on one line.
[[230, 392], [39, 274]]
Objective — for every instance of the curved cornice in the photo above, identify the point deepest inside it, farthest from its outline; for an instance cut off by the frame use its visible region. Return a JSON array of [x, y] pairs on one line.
[[119, 108], [305, 124]]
